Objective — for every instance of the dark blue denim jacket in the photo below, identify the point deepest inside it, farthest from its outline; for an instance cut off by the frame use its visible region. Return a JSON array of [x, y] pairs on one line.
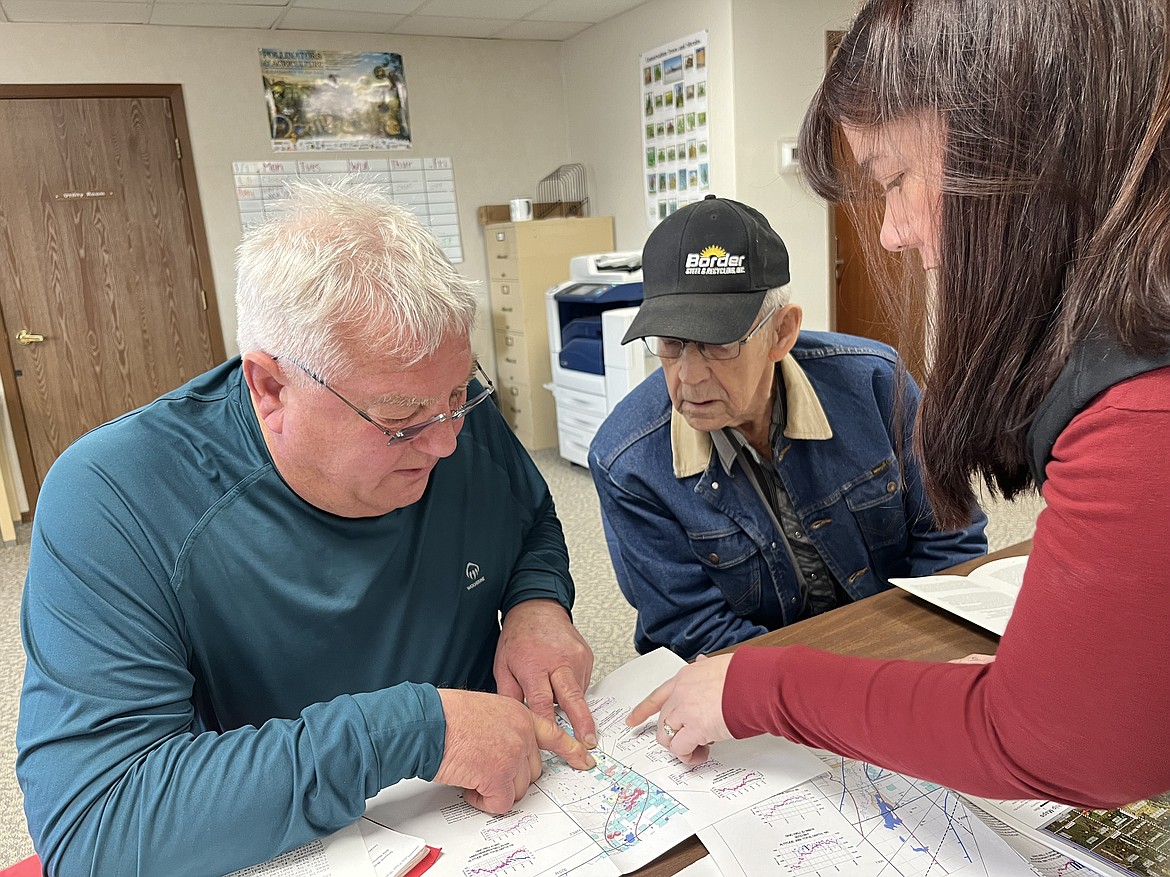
[[694, 548]]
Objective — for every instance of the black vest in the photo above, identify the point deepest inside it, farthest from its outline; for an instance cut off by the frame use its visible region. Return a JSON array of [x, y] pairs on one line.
[[1094, 365]]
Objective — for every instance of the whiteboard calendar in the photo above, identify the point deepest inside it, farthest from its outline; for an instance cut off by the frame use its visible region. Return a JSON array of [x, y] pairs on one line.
[[425, 186]]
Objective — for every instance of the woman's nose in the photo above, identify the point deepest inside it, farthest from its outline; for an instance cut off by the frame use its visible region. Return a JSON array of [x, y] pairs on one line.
[[896, 234]]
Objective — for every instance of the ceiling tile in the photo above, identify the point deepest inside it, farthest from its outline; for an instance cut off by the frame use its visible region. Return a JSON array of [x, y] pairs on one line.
[[382, 7], [220, 3], [435, 26], [77, 12], [542, 30], [329, 20], [508, 9], [206, 15], [575, 10]]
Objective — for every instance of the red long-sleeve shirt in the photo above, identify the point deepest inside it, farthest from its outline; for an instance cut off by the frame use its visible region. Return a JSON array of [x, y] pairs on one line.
[[1076, 706]]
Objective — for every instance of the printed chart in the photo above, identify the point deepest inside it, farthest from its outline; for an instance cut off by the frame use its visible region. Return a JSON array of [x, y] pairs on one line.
[[858, 819]]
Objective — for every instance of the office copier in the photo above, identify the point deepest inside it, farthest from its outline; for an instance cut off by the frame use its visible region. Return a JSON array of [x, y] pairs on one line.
[[587, 316]]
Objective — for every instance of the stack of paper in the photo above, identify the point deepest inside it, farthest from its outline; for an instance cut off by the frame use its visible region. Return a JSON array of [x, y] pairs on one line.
[[1131, 841], [364, 849], [763, 807]]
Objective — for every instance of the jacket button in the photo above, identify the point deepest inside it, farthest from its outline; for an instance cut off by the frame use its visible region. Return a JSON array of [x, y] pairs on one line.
[[713, 557], [714, 485], [892, 487]]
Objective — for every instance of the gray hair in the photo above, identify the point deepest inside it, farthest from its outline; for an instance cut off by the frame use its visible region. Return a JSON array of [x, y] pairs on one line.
[[776, 298], [344, 274]]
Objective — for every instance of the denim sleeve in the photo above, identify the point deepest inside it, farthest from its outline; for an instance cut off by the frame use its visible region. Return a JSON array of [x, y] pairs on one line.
[[117, 774], [931, 549], [678, 605]]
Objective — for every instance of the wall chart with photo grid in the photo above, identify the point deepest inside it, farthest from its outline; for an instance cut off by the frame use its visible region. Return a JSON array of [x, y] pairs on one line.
[[425, 186]]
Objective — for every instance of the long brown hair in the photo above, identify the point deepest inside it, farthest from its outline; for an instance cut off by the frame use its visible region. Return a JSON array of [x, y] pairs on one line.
[[1055, 221]]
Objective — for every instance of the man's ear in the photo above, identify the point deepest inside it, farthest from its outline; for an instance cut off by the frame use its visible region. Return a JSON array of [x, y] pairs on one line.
[[267, 384], [786, 325]]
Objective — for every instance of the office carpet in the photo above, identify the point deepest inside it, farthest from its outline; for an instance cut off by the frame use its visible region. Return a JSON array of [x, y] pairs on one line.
[[601, 613]]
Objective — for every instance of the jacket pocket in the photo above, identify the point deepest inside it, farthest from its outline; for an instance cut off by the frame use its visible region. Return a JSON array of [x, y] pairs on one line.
[[878, 505], [732, 561]]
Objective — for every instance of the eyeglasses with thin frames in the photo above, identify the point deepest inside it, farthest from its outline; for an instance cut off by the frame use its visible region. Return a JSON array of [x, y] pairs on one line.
[[672, 348], [409, 433]]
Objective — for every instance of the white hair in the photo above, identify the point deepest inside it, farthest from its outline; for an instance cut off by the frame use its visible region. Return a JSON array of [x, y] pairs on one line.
[[344, 274], [776, 298]]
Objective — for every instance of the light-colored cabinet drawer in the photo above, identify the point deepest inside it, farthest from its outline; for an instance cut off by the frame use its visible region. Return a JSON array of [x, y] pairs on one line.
[[501, 253], [587, 404], [512, 363], [530, 412], [501, 239], [508, 313]]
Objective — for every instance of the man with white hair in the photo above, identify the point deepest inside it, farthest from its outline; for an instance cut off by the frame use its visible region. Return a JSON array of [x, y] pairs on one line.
[[276, 590], [764, 474]]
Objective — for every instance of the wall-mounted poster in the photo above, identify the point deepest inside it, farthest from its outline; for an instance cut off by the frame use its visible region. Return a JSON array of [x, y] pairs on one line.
[[322, 100], [675, 145]]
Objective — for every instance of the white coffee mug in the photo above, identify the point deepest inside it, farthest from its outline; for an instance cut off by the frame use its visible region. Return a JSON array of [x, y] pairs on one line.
[[521, 209]]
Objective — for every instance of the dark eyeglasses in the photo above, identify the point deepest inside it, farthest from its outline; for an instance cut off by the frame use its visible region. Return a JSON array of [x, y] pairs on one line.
[[672, 348], [410, 433]]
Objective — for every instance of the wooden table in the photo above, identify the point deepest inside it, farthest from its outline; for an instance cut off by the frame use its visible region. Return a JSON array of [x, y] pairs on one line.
[[892, 624]]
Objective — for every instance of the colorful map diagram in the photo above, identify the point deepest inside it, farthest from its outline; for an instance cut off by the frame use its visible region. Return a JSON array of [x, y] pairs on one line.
[[615, 805]]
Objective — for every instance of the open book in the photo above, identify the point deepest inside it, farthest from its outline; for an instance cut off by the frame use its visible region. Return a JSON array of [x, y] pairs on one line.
[[1131, 841], [985, 596]]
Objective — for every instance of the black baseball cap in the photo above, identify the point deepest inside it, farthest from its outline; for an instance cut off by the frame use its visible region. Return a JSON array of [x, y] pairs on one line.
[[705, 271]]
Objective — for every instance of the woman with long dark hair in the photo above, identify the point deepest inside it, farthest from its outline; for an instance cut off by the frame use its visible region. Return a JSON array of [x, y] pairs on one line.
[[1018, 150]]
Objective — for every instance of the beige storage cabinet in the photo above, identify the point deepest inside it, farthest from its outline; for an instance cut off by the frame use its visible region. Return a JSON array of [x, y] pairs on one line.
[[526, 259]]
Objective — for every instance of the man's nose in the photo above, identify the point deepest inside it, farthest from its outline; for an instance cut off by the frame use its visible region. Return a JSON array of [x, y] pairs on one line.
[[692, 365], [439, 439]]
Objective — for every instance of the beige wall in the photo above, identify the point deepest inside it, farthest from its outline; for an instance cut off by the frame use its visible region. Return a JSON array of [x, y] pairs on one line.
[[603, 86], [779, 59], [764, 61], [496, 107]]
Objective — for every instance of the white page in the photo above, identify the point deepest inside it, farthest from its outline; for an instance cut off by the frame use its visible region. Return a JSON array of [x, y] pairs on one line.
[[391, 852], [858, 820], [341, 854], [628, 810], [1044, 860], [986, 597]]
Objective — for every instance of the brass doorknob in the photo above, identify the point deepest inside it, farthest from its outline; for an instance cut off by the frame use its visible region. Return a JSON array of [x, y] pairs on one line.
[[24, 336]]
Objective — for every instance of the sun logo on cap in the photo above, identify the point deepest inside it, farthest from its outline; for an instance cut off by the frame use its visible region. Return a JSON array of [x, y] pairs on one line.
[[713, 252]]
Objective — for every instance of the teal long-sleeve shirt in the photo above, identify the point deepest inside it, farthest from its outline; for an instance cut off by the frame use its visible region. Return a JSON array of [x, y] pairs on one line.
[[219, 671]]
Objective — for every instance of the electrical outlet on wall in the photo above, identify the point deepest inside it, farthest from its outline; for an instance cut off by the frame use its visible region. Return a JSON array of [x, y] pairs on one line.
[[787, 157]]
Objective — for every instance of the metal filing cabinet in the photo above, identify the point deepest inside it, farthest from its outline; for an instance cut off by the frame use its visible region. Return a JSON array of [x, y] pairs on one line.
[[525, 259]]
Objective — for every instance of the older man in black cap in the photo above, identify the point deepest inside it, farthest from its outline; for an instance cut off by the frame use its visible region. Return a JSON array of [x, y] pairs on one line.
[[764, 474]]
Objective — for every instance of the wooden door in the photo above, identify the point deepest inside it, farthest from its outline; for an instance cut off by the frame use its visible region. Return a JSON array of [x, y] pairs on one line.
[[101, 290]]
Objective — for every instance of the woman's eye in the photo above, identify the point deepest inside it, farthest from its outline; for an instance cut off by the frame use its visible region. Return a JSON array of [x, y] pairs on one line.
[[894, 183]]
